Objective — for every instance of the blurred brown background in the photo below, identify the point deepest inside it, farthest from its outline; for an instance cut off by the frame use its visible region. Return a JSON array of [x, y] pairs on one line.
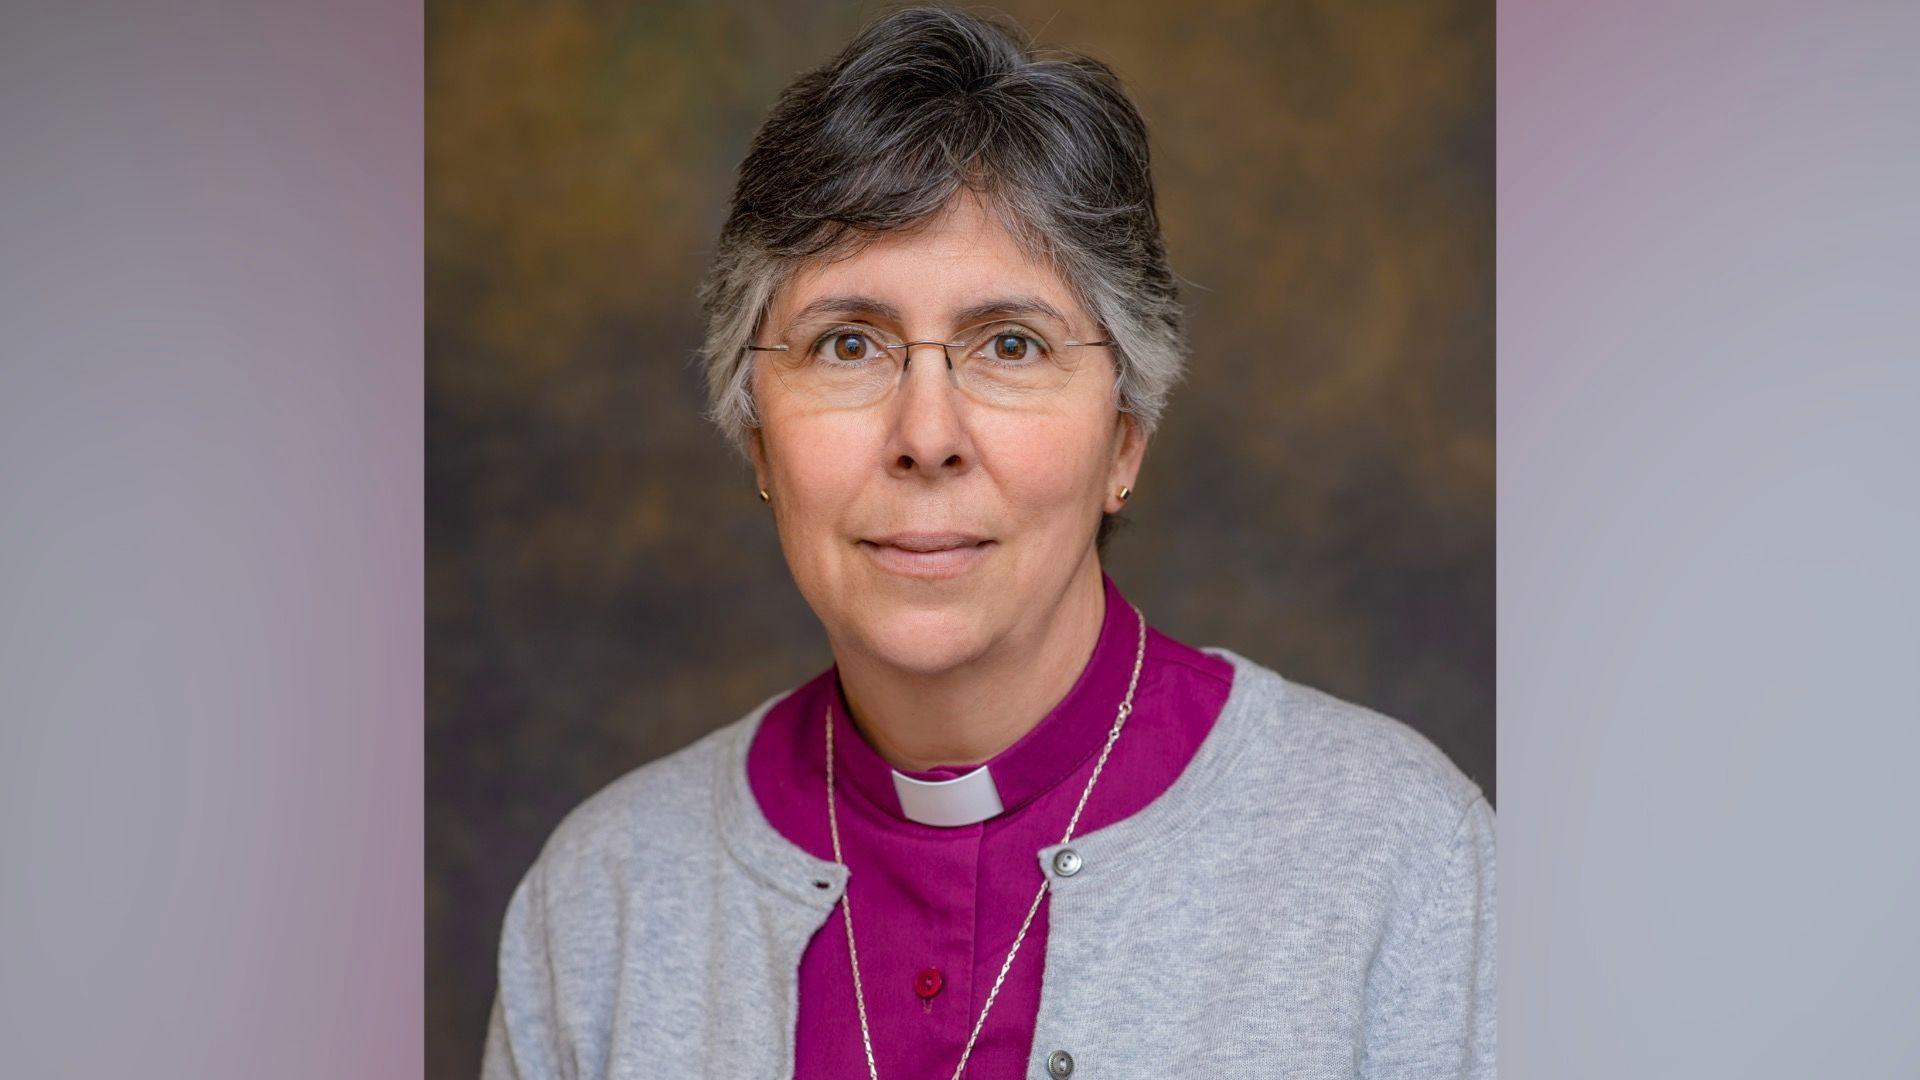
[[604, 585]]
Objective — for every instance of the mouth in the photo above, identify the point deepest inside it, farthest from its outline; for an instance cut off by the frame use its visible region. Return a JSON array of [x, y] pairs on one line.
[[931, 556]]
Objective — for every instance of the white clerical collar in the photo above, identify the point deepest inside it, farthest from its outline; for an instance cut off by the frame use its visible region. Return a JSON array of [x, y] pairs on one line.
[[962, 800]]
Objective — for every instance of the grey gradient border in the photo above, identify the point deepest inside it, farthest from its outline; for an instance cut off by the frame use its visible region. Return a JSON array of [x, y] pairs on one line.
[[211, 665], [1708, 598]]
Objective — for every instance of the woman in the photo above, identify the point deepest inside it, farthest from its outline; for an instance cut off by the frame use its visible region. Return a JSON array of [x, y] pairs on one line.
[[1013, 830]]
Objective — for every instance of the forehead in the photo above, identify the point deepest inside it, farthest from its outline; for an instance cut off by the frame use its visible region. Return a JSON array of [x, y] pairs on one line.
[[956, 261]]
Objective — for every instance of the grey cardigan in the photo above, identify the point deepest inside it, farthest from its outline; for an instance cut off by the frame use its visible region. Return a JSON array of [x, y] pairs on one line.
[[1313, 897]]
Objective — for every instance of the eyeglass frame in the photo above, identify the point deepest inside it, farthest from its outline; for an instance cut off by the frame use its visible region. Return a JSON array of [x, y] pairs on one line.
[[906, 358]]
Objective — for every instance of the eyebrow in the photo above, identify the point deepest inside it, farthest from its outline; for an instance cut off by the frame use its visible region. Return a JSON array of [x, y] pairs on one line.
[[843, 306], [999, 307]]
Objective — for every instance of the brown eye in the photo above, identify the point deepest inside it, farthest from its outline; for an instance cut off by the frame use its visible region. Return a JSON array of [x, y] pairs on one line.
[[1010, 347], [850, 347]]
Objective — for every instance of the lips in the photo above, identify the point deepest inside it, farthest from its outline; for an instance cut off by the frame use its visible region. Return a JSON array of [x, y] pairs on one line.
[[928, 541], [931, 556]]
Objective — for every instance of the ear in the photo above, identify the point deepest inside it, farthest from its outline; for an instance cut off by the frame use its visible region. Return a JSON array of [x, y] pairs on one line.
[[757, 450], [1129, 450]]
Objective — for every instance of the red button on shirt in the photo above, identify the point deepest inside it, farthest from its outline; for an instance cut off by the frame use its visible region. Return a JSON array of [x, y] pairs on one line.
[[927, 983]]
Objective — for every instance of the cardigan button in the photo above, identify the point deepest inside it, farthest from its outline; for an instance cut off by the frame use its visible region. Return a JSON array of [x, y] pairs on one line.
[[1059, 1063], [1066, 863]]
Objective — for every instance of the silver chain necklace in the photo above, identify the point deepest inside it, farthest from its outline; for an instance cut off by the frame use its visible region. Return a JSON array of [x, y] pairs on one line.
[[846, 900]]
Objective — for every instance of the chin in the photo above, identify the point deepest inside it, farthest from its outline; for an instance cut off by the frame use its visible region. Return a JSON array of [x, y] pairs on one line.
[[923, 640]]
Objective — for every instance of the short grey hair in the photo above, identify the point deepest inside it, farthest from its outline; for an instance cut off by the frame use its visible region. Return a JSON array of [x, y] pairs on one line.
[[921, 103]]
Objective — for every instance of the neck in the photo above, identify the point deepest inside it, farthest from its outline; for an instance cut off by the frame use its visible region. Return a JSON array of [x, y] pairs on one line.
[[968, 713]]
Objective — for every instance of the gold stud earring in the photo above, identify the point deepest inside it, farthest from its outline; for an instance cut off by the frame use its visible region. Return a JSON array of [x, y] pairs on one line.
[[764, 497], [1125, 492]]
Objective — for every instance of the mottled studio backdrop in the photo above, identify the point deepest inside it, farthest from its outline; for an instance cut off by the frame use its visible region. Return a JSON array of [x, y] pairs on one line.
[[604, 584]]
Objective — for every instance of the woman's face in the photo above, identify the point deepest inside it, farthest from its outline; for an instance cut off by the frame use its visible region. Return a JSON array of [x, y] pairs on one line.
[[1031, 478]]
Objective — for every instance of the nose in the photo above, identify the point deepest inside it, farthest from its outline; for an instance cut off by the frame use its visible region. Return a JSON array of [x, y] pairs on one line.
[[929, 434]]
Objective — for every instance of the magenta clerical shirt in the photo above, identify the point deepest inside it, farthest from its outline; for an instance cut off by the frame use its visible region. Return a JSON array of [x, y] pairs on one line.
[[936, 907]]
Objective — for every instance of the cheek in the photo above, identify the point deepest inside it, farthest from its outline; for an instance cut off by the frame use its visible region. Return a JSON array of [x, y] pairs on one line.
[[819, 469], [1044, 468]]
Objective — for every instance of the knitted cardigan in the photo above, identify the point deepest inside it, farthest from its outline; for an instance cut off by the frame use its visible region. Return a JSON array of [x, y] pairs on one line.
[[1313, 897]]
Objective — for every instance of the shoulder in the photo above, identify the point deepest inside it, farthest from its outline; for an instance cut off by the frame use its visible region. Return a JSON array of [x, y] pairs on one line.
[[624, 865], [657, 815], [1317, 758]]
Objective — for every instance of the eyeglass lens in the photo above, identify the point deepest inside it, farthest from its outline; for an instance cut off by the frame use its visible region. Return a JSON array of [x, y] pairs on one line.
[[847, 365]]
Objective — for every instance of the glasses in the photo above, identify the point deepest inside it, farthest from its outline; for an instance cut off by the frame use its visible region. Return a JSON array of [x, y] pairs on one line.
[[849, 365]]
